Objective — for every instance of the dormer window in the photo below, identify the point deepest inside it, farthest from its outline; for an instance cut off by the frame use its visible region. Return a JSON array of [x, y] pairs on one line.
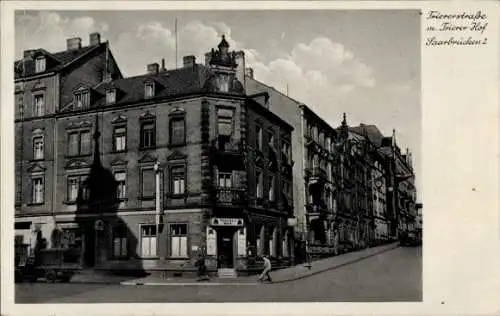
[[149, 90], [110, 96], [82, 99], [40, 64]]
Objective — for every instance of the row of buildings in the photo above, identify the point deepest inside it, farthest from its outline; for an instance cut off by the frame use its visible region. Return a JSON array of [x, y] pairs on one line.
[[149, 171]]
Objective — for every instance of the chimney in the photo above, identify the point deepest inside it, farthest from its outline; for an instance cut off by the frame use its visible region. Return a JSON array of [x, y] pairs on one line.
[[163, 65], [240, 67], [153, 68], [28, 53], [94, 39], [249, 72], [74, 43], [189, 61], [208, 57]]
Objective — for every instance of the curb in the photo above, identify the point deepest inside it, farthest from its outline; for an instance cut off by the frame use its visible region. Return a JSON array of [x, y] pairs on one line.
[[274, 282], [186, 284], [336, 266]]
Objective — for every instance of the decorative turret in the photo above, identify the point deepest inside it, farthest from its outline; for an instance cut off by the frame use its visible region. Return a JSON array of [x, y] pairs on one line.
[[222, 57]]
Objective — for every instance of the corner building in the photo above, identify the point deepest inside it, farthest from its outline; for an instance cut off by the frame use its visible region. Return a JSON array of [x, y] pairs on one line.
[[217, 160]]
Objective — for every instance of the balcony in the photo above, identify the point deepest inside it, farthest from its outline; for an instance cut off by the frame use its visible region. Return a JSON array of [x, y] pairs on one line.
[[229, 197], [316, 175], [228, 152]]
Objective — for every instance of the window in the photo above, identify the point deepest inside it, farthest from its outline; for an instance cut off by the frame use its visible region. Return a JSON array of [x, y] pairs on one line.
[[120, 241], [39, 105], [82, 99], [110, 96], [259, 180], [121, 178], [148, 241], [224, 122], [120, 138], [149, 90], [38, 190], [225, 180], [74, 186], [38, 151], [40, 64], [285, 149], [258, 133], [148, 183], [79, 143], [177, 130], [148, 135], [178, 180], [271, 188], [271, 139], [178, 241]]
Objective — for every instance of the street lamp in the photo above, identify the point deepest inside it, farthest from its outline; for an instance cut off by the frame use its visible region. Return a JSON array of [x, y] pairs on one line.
[[157, 203]]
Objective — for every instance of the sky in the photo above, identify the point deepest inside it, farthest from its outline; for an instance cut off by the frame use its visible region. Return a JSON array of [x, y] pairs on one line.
[[365, 63]]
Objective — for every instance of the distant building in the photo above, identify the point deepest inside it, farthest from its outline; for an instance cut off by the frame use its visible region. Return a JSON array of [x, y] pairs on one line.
[[313, 169], [377, 180], [222, 162]]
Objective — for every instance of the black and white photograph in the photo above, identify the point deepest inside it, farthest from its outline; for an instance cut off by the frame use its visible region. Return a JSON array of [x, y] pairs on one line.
[[244, 157], [220, 155]]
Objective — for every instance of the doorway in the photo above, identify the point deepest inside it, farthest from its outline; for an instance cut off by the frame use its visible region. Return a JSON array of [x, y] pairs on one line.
[[225, 248], [89, 248]]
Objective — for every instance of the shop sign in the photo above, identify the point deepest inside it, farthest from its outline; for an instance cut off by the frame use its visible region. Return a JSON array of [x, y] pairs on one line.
[[226, 221], [242, 241]]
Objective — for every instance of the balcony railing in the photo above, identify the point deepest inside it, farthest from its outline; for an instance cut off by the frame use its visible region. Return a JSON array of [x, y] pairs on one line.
[[229, 196], [316, 174], [229, 147]]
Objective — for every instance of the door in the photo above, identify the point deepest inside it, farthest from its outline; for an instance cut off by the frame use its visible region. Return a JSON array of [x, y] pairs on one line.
[[225, 248], [89, 248]]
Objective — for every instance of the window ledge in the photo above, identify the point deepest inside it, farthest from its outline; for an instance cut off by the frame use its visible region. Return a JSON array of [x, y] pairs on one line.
[[119, 151], [37, 159], [78, 156], [148, 148], [177, 145], [145, 198], [177, 196], [69, 202], [177, 258], [149, 258], [36, 204]]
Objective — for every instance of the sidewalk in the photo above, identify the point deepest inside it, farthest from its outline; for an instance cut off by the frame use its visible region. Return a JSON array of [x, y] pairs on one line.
[[279, 276]]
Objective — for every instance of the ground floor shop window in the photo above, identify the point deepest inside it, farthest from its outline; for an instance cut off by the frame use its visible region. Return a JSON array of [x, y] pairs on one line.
[[178, 241], [120, 242], [148, 241], [284, 245], [272, 242]]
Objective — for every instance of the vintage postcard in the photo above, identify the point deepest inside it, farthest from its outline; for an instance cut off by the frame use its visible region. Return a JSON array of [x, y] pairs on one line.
[[264, 157]]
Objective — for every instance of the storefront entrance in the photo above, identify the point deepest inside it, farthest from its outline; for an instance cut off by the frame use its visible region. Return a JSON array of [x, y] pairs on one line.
[[225, 247]]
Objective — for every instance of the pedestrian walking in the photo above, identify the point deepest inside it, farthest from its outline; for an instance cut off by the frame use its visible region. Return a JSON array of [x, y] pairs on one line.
[[202, 268], [266, 271]]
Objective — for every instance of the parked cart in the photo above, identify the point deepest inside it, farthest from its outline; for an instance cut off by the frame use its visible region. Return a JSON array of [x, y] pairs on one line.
[[51, 264]]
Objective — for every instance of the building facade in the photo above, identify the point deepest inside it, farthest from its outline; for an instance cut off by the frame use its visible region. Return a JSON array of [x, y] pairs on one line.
[[153, 170], [43, 85]]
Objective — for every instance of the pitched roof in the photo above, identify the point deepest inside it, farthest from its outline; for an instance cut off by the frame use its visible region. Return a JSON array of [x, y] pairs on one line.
[[56, 61], [371, 131], [171, 83], [167, 84]]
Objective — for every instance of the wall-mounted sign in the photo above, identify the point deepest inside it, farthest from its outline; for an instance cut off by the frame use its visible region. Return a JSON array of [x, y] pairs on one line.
[[211, 242], [226, 221]]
